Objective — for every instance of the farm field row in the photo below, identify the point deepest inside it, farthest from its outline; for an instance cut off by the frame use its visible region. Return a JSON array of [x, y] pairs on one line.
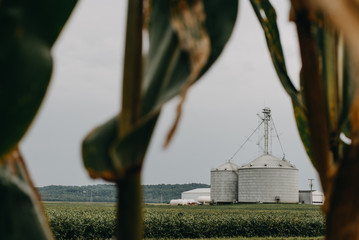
[[96, 220], [245, 238]]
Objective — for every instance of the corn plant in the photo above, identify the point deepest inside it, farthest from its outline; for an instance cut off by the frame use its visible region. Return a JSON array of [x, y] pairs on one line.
[[96, 221], [326, 105], [185, 37], [28, 30]]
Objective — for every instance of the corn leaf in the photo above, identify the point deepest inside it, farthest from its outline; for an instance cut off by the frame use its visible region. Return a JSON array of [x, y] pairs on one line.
[[95, 147], [22, 217], [96, 150], [28, 29], [327, 48], [267, 17], [175, 60], [349, 86], [268, 20], [302, 125], [339, 85], [168, 65]]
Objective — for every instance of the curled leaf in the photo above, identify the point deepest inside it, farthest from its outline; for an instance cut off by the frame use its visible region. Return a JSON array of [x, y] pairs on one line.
[[268, 19], [108, 157], [170, 67], [28, 30], [188, 20], [22, 216]]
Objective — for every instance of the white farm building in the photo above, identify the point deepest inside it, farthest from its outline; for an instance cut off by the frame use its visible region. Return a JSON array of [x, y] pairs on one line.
[[311, 197], [197, 193]]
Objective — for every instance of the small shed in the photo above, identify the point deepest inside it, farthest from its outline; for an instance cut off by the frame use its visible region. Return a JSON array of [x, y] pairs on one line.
[[317, 198], [311, 197], [305, 197]]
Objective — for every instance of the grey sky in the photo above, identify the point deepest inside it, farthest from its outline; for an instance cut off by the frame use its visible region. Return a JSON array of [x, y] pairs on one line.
[[219, 113]]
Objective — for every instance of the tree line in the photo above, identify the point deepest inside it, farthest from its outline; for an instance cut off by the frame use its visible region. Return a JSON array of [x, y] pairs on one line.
[[159, 193]]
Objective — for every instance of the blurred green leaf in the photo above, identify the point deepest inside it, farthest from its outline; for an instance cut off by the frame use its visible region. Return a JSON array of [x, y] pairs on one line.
[[186, 37], [28, 29], [327, 45], [302, 126], [22, 216], [348, 88], [95, 150], [129, 151], [109, 164], [339, 84], [168, 67], [268, 19]]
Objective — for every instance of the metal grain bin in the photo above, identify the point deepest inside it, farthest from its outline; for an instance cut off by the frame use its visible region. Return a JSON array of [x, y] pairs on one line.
[[224, 183], [268, 179]]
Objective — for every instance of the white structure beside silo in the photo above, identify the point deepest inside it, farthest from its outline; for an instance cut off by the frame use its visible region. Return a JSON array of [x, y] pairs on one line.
[[196, 193], [204, 200], [180, 202], [224, 183], [268, 179], [311, 197], [318, 198], [305, 197]]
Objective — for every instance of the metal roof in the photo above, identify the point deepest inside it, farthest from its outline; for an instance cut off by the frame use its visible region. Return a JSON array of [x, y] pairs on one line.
[[229, 166], [199, 190], [313, 191], [268, 161]]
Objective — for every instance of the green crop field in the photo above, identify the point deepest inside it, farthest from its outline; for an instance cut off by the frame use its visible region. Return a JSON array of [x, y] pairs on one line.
[[96, 221]]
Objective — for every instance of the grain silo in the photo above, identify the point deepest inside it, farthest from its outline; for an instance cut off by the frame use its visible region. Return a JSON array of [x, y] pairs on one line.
[[268, 179], [224, 183]]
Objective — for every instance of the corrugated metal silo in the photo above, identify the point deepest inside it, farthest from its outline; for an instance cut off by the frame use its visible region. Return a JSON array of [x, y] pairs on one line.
[[268, 179], [224, 183]]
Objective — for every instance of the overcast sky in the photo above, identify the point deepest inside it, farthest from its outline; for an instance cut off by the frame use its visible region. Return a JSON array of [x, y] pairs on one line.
[[219, 113]]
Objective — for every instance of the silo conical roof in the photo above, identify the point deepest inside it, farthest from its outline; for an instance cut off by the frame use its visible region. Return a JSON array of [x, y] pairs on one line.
[[268, 161], [227, 166]]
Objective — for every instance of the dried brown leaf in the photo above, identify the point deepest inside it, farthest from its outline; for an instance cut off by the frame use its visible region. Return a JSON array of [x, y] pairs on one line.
[[188, 21]]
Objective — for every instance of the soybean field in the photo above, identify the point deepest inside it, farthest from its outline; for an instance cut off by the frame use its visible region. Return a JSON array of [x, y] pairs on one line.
[[96, 221]]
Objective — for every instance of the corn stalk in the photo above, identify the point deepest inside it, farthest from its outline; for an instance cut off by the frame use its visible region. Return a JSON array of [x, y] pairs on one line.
[[186, 37], [326, 105]]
